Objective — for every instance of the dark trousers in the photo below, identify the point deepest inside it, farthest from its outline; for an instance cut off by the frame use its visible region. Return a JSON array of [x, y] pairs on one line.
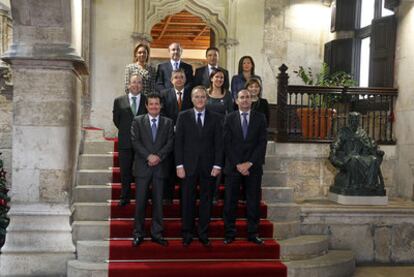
[[171, 180], [141, 192], [252, 185], [126, 160], [188, 203]]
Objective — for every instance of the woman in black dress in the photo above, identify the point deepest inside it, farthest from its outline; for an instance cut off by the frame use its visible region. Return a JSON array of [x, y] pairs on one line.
[[254, 85]]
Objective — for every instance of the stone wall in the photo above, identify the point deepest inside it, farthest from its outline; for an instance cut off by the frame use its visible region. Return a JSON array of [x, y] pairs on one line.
[[374, 234], [308, 171], [294, 34], [404, 109]]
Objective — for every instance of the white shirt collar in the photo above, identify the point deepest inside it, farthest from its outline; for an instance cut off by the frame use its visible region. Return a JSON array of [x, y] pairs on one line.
[[138, 96], [173, 63], [202, 112], [156, 118]]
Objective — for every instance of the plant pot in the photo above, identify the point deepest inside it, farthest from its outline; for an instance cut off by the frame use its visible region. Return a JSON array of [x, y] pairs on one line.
[[315, 122]]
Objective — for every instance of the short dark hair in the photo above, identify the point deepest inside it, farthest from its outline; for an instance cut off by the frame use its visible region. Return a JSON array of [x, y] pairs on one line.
[[212, 48], [136, 49], [152, 95], [240, 71]]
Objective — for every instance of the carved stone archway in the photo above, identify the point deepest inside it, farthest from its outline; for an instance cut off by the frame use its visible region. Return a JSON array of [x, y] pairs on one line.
[[220, 18]]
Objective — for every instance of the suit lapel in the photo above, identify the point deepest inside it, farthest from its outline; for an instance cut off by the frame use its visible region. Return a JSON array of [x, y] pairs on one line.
[[206, 75], [238, 124], [147, 127]]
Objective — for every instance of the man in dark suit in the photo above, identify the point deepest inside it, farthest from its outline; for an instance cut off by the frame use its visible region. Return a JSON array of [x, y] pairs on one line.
[[198, 156], [152, 137], [177, 98], [165, 69], [125, 108], [202, 74], [245, 149]]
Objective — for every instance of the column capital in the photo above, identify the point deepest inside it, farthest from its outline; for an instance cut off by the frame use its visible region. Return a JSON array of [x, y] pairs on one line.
[[228, 43]]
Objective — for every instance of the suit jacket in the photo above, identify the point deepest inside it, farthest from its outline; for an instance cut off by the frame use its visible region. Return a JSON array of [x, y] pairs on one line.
[[141, 137], [202, 77], [122, 118], [164, 76], [194, 146], [170, 104], [237, 149]]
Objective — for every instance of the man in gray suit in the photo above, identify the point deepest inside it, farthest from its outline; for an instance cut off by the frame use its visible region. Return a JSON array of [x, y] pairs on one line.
[[152, 137]]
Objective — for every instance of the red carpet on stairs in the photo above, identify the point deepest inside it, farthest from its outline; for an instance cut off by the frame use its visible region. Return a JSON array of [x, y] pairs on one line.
[[241, 258]]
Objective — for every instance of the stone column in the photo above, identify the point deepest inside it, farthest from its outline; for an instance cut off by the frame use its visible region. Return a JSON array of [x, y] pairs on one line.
[[46, 125]]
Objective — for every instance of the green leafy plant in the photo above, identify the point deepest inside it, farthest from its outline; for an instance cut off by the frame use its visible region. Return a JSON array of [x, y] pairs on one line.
[[324, 79]]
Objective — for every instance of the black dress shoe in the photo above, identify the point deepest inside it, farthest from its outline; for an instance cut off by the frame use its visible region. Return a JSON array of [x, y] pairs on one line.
[[205, 241], [136, 241], [123, 202], [187, 241], [256, 240], [228, 240], [160, 241]]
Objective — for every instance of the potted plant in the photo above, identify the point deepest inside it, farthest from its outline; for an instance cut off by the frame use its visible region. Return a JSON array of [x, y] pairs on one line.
[[316, 120]]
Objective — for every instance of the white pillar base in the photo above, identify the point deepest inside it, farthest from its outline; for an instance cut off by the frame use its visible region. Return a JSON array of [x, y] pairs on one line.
[[38, 240], [358, 200]]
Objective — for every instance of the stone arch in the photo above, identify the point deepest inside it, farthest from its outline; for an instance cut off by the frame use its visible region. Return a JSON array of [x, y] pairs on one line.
[[149, 13]]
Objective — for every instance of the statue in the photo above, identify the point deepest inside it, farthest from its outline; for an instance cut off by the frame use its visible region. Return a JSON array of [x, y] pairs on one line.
[[358, 159]]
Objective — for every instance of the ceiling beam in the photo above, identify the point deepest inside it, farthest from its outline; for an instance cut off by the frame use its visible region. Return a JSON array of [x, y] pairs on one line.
[[165, 26], [200, 33]]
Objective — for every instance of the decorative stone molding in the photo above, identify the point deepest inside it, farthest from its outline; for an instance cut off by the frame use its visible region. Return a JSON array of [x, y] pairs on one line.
[[228, 43], [141, 37]]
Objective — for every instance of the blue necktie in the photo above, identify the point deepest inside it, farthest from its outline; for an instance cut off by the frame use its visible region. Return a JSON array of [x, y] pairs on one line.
[[199, 122], [245, 125], [134, 105], [154, 129], [175, 65]]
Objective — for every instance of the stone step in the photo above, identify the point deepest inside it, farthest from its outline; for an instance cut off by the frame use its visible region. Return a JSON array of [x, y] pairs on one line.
[[271, 148], [105, 160], [93, 250], [98, 147], [90, 230], [279, 212], [93, 133], [92, 193], [78, 268], [336, 263], [303, 247], [271, 178], [273, 195], [96, 161], [103, 192], [274, 178], [94, 176], [286, 229], [272, 162]]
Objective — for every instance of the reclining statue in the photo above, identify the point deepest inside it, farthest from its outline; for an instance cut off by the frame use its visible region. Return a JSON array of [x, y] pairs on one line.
[[358, 159]]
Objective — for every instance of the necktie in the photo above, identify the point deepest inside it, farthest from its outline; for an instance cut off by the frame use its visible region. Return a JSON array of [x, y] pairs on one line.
[[245, 125], [199, 122], [175, 65], [179, 101], [154, 129], [134, 105]]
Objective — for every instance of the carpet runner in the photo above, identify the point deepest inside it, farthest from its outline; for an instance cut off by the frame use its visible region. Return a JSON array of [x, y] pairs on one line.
[[241, 258]]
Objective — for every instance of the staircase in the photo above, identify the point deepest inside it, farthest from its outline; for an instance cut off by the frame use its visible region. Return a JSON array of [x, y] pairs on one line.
[[102, 231]]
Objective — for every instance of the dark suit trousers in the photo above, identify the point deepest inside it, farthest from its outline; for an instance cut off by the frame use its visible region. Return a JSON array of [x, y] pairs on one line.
[[141, 192], [252, 185], [126, 160], [188, 201]]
